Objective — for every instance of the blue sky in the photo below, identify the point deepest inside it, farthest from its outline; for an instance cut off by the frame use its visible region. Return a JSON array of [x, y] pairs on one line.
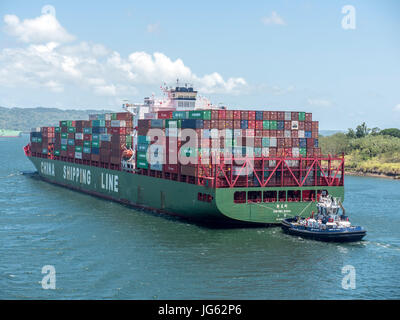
[[283, 55]]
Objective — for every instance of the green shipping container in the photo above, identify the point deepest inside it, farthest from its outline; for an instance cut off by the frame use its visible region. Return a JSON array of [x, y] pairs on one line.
[[142, 156], [172, 123], [64, 135], [273, 125], [71, 142], [95, 137], [266, 124], [71, 129], [303, 151], [69, 123], [179, 115], [78, 148], [64, 147], [142, 164], [98, 123], [56, 152], [95, 144], [64, 123], [200, 114], [86, 143], [87, 130], [143, 139], [57, 129], [113, 116], [87, 150], [302, 116]]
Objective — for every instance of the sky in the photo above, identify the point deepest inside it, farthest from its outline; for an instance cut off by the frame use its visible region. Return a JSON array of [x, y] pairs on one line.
[[341, 64]]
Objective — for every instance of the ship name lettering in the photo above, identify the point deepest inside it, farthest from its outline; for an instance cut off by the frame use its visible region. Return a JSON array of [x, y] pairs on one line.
[[79, 175], [109, 182], [47, 168]]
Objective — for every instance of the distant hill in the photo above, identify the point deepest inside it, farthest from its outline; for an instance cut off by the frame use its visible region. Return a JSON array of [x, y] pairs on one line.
[[23, 119], [327, 133]]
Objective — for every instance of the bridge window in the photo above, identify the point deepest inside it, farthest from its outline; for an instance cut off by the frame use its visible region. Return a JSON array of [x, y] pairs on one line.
[[293, 195], [239, 197], [254, 196], [270, 196], [309, 195], [282, 196]]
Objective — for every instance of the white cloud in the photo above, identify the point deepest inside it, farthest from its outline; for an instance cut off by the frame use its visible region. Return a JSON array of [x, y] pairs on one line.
[[48, 62], [319, 103], [397, 108], [274, 18], [45, 28]]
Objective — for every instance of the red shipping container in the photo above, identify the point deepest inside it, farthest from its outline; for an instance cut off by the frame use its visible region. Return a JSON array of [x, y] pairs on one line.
[[280, 152], [259, 133], [317, 151], [308, 116], [251, 124], [244, 115], [295, 116], [221, 114], [273, 115], [315, 125], [280, 142], [288, 142], [295, 133], [301, 125], [170, 168], [229, 124], [252, 115], [95, 157], [267, 115], [259, 125], [308, 126], [258, 142], [87, 137], [229, 114], [280, 133], [266, 133], [249, 133], [214, 124], [288, 125], [281, 115], [236, 124], [314, 134], [272, 152], [214, 114], [207, 124], [221, 124], [162, 115], [71, 154], [310, 142], [127, 116], [236, 115], [288, 152], [295, 142], [273, 133]]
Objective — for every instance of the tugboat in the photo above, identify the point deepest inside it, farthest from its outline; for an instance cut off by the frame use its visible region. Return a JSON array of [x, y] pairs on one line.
[[327, 225]]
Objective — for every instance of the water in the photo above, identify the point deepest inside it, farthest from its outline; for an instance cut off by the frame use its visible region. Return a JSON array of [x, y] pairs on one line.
[[104, 250]]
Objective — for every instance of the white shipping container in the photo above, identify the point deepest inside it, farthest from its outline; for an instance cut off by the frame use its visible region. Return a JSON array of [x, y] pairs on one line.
[[64, 141], [295, 152], [295, 125], [78, 155], [108, 116], [288, 116], [206, 133], [118, 123], [156, 154], [78, 136], [237, 133], [93, 116], [265, 152], [301, 134], [272, 142], [105, 137], [172, 132], [287, 134], [35, 129], [150, 116]]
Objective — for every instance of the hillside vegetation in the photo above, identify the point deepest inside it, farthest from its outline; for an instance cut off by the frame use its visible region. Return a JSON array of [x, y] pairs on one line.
[[23, 119], [367, 151]]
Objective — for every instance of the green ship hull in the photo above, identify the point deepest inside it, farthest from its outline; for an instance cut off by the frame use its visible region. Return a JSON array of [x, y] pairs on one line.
[[173, 197]]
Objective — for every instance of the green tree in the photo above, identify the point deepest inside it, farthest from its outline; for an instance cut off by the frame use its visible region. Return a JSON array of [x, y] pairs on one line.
[[391, 132], [362, 130]]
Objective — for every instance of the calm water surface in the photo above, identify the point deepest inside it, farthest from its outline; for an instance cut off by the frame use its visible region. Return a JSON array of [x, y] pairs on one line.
[[104, 250]]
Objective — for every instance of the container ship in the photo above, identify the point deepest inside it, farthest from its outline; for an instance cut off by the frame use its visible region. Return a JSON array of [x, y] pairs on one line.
[[9, 133], [183, 156]]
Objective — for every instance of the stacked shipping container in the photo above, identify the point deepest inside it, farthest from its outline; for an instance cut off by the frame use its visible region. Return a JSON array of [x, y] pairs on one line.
[[258, 133]]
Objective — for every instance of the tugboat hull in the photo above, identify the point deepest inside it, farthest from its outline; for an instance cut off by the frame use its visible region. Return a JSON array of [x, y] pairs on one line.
[[351, 234]]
